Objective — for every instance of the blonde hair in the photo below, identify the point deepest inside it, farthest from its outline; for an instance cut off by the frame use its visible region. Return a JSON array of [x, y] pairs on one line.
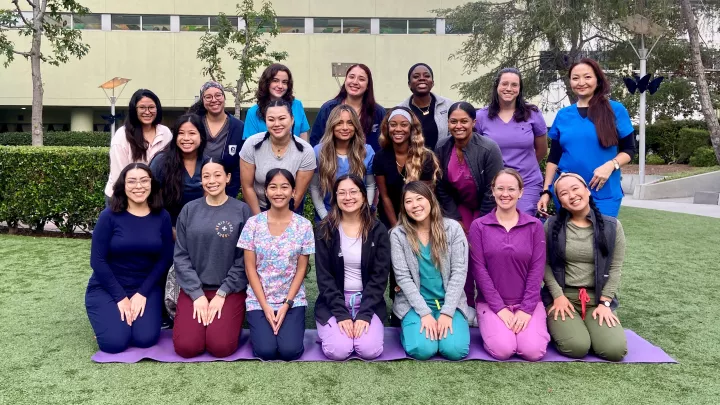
[[417, 152], [327, 158], [438, 238]]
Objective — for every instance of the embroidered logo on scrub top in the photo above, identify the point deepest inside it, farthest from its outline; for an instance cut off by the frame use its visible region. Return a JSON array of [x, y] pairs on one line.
[[375, 128], [224, 229], [232, 149]]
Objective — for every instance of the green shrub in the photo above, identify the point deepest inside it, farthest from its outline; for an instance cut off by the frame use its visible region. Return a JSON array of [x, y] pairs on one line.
[[691, 139], [703, 157], [654, 160], [101, 139], [62, 185], [664, 139]]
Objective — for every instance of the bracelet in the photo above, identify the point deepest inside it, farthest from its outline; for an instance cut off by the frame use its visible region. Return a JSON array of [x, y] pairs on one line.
[[542, 193]]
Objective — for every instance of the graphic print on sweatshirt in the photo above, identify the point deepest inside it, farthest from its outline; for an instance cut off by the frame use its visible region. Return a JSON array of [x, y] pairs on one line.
[[224, 229]]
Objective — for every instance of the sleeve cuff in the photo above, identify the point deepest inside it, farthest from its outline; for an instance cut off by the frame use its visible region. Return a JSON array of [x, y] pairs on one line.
[[556, 292], [195, 294]]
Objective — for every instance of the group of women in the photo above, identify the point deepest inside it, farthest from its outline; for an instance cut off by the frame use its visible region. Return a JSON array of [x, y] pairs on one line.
[[456, 192]]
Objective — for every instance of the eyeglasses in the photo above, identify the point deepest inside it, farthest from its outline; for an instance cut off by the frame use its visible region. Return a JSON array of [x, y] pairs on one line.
[[217, 96], [143, 108], [132, 183], [352, 193], [510, 190]]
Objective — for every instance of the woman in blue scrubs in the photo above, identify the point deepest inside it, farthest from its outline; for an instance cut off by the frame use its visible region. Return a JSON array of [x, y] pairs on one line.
[[593, 137]]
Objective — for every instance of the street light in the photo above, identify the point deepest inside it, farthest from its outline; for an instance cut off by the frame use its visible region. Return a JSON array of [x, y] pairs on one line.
[[112, 84]]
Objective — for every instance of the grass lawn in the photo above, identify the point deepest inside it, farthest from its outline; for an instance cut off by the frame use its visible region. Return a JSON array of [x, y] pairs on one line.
[[669, 295], [691, 172]]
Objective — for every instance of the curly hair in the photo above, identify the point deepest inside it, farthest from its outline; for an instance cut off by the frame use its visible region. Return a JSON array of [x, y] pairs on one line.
[[262, 94], [417, 152], [119, 199], [327, 158]]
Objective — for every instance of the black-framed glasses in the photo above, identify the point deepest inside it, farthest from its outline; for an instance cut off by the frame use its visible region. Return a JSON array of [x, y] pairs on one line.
[[217, 96]]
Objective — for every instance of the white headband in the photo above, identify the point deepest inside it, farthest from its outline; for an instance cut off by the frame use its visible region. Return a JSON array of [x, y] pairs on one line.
[[402, 112]]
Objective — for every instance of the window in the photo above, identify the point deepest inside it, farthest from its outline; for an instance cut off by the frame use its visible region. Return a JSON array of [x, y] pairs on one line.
[[194, 23], [87, 22], [393, 26], [356, 25], [460, 30], [125, 22], [421, 26], [215, 22], [63, 20], [291, 25], [156, 23], [328, 25]]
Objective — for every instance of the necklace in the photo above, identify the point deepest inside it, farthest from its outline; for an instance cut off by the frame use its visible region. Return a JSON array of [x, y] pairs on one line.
[[401, 170], [424, 112], [280, 152]]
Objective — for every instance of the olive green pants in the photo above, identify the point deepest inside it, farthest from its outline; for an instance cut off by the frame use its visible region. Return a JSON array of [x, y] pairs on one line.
[[575, 337]]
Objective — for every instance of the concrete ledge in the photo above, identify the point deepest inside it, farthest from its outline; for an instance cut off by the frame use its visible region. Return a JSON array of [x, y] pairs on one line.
[[680, 188], [629, 181], [706, 197]]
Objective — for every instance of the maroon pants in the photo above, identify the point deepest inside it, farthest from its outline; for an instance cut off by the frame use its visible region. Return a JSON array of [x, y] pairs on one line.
[[220, 338]]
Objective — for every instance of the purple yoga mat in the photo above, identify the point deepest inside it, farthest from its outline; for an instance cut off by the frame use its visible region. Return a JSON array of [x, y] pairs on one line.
[[639, 351]]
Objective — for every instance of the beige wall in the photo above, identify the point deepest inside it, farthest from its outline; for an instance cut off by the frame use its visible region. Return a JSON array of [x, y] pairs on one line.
[[166, 62]]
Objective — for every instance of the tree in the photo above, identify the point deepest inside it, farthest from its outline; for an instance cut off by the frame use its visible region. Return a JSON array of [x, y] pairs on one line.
[[699, 70], [543, 38], [47, 22], [252, 51]]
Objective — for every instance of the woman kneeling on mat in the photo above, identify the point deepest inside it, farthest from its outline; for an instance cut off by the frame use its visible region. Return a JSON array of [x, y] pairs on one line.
[[507, 257], [353, 263], [210, 269], [430, 260], [585, 256], [278, 244], [131, 249]]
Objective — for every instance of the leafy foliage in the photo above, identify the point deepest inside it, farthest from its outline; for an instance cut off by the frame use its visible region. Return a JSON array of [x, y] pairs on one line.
[[704, 157], [98, 139], [247, 47], [62, 185], [676, 141], [64, 41]]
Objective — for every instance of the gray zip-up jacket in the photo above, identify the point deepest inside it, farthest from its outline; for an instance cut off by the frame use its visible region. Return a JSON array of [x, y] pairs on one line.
[[454, 272], [442, 105]]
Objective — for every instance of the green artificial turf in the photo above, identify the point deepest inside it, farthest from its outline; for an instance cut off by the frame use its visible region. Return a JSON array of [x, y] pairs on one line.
[[669, 295]]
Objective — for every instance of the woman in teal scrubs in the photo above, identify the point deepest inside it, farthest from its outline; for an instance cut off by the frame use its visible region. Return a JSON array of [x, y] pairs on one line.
[[592, 137]]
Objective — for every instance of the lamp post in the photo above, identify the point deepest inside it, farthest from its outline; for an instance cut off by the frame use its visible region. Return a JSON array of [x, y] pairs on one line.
[[112, 84]]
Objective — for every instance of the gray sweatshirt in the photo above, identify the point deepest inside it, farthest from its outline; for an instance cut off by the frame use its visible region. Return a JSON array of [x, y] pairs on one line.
[[206, 256], [454, 272]]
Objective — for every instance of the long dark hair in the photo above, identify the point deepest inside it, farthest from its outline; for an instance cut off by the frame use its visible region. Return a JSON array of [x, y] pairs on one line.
[[173, 167], [133, 126], [119, 199], [280, 103], [599, 110], [523, 109], [464, 106], [598, 228], [262, 95], [367, 113], [332, 221]]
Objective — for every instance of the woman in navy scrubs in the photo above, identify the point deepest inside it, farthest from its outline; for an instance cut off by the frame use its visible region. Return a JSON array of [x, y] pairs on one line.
[[592, 137]]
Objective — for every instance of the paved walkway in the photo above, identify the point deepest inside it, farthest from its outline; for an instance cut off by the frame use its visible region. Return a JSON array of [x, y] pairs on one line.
[[681, 205]]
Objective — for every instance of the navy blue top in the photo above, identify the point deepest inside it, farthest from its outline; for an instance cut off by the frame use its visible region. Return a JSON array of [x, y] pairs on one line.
[[231, 154], [130, 254], [192, 185], [371, 134]]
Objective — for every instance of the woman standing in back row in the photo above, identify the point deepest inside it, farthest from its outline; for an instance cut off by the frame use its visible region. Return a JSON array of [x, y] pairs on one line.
[[520, 131], [358, 92], [431, 109], [593, 138]]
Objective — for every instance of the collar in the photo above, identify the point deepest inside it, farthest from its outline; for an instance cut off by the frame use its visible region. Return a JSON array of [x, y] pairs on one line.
[[491, 218]]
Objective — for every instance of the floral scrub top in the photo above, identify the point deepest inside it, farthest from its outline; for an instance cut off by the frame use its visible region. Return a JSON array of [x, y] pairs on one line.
[[277, 258]]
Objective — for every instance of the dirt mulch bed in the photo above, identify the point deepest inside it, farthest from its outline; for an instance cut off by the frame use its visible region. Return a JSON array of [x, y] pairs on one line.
[[656, 169], [4, 230]]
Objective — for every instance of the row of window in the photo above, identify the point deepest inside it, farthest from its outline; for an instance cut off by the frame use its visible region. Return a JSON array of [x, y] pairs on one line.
[[290, 25]]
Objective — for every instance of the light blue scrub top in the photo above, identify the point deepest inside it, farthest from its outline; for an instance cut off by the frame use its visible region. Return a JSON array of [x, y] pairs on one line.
[[254, 125]]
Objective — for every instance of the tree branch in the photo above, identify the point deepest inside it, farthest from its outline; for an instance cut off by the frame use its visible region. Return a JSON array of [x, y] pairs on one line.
[[31, 3], [20, 13], [25, 54]]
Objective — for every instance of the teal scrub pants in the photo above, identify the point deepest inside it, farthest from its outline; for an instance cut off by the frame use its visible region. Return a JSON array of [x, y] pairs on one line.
[[455, 346]]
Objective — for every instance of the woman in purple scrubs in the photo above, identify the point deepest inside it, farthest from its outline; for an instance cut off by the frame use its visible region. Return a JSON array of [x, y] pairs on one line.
[[519, 130]]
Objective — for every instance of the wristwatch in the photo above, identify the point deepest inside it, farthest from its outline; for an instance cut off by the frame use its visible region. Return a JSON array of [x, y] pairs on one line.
[[221, 293], [289, 302], [616, 164], [606, 303], [542, 193]]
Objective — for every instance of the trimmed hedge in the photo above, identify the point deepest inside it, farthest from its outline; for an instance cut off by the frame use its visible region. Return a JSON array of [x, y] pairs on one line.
[[62, 185], [99, 139], [676, 141]]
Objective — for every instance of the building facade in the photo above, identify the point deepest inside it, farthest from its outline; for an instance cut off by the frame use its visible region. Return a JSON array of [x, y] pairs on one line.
[[154, 43]]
